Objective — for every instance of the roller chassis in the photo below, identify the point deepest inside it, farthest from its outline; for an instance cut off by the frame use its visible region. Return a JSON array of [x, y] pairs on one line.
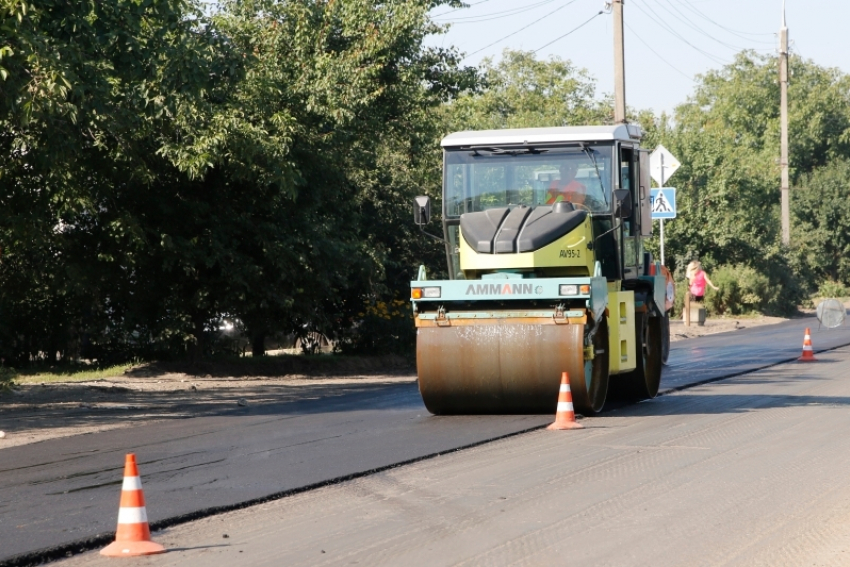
[[527, 322]]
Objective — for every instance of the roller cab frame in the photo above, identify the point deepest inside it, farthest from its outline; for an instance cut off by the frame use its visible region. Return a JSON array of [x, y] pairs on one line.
[[547, 273]]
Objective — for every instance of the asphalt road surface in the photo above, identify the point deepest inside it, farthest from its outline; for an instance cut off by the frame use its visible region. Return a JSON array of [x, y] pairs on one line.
[[65, 491], [751, 470]]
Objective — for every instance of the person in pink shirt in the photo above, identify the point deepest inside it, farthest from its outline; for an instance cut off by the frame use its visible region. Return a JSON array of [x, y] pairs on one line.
[[697, 280]]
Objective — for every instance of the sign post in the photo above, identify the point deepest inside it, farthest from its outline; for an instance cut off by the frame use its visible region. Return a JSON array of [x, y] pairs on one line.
[[661, 221], [663, 199]]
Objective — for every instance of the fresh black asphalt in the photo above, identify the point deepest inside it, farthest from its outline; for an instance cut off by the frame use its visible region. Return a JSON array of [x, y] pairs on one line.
[[65, 491]]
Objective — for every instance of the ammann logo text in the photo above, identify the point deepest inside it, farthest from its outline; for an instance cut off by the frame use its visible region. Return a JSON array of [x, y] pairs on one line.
[[499, 289]]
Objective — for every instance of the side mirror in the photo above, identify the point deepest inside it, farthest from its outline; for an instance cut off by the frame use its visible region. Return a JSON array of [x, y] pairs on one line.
[[623, 200], [421, 210]]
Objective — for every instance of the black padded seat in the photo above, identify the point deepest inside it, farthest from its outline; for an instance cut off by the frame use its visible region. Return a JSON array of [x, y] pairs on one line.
[[519, 229], [545, 226], [479, 229]]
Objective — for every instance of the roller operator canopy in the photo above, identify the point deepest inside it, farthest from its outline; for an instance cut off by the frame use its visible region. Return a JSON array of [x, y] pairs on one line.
[[530, 136]]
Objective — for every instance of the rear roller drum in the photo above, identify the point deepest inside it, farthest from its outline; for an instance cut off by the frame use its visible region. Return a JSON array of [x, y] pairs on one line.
[[644, 381]]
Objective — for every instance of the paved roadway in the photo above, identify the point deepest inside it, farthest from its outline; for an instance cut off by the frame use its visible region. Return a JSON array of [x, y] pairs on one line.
[[750, 470], [63, 492]]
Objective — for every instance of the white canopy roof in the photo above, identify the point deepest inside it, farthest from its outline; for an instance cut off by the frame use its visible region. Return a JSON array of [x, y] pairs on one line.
[[543, 135]]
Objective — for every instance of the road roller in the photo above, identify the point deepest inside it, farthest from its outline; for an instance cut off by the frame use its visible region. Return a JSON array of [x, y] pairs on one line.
[[546, 273]]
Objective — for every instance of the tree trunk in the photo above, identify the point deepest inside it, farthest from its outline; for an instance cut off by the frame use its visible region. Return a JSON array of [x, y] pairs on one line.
[[258, 343], [196, 347]]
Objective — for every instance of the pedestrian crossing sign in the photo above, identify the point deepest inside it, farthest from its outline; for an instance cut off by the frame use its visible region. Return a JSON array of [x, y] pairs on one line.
[[662, 203]]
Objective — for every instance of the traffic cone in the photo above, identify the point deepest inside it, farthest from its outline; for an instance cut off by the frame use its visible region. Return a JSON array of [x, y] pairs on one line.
[[808, 353], [565, 416], [133, 536]]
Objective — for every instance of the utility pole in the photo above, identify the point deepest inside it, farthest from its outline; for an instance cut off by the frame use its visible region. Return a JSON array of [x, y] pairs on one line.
[[619, 64], [783, 117]]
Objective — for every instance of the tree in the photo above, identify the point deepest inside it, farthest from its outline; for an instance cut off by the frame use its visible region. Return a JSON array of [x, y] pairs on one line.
[[82, 87], [521, 91], [821, 224], [166, 169], [317, 140]]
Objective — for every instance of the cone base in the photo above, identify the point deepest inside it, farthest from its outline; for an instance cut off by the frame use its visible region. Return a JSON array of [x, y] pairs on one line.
[[563, 425], [131, 549], [807, 359]]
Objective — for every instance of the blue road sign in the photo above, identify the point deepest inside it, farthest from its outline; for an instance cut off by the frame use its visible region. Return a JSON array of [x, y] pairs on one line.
[[662, 203]]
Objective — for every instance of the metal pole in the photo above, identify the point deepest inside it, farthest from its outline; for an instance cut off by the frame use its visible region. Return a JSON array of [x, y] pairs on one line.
[[783, 117], [662, 220], [662, 241], [619, 64]]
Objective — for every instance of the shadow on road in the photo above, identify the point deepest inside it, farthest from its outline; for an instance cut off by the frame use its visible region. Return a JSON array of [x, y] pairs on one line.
[[125, 405], [693, 404]]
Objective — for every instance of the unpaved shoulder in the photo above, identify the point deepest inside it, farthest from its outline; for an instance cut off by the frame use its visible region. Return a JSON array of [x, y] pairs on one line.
[[37, 412]]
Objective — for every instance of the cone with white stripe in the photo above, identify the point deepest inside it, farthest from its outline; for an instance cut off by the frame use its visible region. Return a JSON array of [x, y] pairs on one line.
[[565, 416], [133, 536], [808, 353]]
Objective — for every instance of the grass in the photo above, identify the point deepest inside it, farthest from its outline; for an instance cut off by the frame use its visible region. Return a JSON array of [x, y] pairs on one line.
[[71, 373], [220, 367], [284, 364]]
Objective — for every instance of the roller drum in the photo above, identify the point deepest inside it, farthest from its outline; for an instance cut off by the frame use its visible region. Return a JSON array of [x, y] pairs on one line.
[[503, 367]]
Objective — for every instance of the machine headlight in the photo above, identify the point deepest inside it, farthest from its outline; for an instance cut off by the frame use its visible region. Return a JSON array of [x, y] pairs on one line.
[[431, 292], [573, 289], [425, 292], [568, 289]]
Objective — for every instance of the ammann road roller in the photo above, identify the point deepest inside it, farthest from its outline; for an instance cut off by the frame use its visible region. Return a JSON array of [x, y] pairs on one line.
[[547, 273]]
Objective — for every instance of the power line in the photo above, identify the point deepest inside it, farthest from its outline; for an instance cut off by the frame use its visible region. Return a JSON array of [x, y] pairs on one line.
[[666, 27], [689, 6], [464, 8], [684, 19], [521, 29], [599, 13], [658, 55], [497, 15]]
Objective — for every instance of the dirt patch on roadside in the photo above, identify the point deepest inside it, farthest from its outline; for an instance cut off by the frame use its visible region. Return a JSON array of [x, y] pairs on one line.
[[678, 330], [37, 412]]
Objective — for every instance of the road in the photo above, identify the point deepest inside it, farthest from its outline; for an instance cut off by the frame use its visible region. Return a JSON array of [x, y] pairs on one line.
[[62, 494], [750, 470]]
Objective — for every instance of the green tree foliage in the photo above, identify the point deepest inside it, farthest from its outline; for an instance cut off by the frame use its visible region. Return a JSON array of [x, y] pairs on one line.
[[727, 138], [87, 87], [820, 238], [521, 91], [162, 169]]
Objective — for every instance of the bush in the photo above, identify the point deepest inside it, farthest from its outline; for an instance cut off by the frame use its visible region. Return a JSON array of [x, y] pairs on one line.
[[829, 288], [384, 327], [7, 375], [681, 283], [742, 290]]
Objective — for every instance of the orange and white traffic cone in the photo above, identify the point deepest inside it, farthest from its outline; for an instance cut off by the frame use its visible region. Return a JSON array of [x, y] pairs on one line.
[[133, 536], [808, 353], [565, 416]]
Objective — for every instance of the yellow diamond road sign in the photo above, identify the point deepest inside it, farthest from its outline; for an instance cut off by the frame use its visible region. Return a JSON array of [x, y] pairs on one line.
[[662, 158]]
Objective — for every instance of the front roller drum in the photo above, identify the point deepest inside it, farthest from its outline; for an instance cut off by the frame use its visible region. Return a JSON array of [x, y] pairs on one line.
[[508, 367]]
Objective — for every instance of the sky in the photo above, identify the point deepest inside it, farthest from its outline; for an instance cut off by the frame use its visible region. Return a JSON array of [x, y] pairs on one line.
[[667, 42]]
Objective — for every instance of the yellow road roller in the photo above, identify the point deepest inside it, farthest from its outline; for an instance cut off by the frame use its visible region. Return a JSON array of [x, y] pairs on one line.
[[547, 273]]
